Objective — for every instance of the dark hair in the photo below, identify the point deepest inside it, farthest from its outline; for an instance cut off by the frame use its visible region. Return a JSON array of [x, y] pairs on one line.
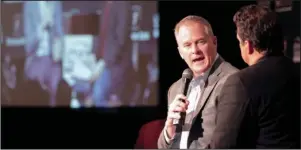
[[259, 25]]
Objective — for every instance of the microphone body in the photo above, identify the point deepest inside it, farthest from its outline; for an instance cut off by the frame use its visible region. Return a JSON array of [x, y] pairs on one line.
[[186, 78]]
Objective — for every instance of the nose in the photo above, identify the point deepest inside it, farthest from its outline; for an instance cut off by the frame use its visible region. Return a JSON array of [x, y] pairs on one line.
[[195, 49]]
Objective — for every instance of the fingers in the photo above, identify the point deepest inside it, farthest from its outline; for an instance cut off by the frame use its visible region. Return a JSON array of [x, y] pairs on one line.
[[180, 97], [180, 108], [180, 104], [173, 115]]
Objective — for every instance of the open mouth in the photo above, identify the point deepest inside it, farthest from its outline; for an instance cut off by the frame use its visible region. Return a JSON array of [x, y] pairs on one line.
[[198, 59]]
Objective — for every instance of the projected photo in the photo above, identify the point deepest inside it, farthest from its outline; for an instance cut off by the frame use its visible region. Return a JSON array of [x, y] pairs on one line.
[[79, 54]]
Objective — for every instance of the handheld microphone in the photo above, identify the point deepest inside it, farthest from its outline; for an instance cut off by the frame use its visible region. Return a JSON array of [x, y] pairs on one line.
[[186, 78]]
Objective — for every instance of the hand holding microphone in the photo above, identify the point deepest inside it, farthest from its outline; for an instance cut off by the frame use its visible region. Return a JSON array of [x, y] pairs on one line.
[[177, 109], [175, 113]]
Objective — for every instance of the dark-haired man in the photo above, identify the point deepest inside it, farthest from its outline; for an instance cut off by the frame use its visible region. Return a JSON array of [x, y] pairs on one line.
[[259, 106]]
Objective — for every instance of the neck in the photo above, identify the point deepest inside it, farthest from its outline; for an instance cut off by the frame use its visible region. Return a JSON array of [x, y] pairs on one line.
[[197, 75], [255, 57]]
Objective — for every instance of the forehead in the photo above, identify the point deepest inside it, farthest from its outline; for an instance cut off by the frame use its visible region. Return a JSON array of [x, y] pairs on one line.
[[191, 31]]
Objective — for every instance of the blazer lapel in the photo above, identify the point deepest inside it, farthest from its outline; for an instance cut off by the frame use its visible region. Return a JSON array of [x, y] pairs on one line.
[[209, 85]]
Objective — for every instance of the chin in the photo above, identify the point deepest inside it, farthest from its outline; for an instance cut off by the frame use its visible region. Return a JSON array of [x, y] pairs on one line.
[[246, 61]]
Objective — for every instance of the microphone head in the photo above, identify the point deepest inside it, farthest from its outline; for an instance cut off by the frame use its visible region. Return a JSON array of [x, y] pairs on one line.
[[187, 73]]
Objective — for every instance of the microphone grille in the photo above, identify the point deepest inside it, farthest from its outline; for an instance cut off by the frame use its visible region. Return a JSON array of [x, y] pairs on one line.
[[187, 73]]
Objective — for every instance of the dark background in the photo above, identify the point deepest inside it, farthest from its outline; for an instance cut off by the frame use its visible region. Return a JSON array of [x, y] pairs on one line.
[[118, 128]]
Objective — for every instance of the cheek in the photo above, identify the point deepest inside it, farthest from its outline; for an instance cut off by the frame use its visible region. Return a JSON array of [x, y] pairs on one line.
[[207, 51], [241, 48], [243, 52], [185, 56]]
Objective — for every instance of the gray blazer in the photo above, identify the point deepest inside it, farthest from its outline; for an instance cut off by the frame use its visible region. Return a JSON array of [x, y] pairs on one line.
[[204, 121]]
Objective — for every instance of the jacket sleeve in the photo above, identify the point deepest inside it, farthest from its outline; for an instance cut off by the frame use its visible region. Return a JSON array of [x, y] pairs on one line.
[[162, 143]]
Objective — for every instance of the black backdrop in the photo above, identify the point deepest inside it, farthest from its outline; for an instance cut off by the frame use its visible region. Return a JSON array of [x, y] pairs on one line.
[[118, 128]]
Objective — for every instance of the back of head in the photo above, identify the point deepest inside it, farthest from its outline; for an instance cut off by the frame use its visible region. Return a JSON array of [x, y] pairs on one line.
[[260, 26]]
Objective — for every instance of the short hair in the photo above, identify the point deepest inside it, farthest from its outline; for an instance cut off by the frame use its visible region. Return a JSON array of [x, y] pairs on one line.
[[196, 19], [260, 26]]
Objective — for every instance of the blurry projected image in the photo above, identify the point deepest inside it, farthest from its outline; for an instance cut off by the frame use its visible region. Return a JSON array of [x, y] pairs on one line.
[[296, 50], [79, 54]]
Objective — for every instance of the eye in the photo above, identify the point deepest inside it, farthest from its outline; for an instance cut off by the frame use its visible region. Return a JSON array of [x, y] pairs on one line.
[[201, 41], [186, 45]]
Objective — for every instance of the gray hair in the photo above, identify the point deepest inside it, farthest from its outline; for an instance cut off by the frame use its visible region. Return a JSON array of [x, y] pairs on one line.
[[196, 19]]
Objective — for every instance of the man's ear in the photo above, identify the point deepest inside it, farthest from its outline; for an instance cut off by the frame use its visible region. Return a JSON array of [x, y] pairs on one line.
[[249, 46], [214, 39]]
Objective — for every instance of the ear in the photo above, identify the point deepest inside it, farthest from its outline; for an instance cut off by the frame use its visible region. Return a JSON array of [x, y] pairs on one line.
[[214, 39], [249, 46]]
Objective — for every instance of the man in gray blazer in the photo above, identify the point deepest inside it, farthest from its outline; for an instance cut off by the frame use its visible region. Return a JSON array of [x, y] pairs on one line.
[[197, 45]]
